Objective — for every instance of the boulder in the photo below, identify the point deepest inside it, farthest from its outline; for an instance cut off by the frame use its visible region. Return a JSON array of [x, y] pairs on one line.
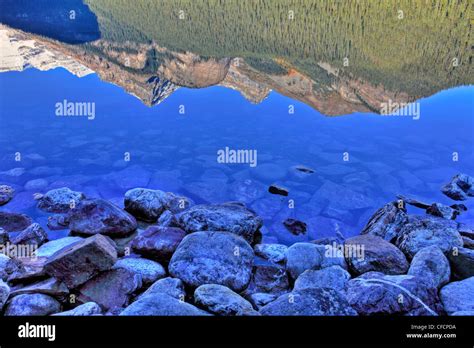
[[333, 277], [376, 254], [177, 204], [221, 300], [309, 302], [6, 194], [260, 299], [441, 210], [272, 252], [423, 231], [13, 222], [28, 269], [268, 279], [145, 204], [58, 222], [229, 217], [462, 262], [111, 289], [99, 216], [50, 286], [303, 256], [173, 287], [431, 266], [167, 219], [457, 296], [375, 293], [7, 266], [79, 262], [158, 242], [83, 310], [4, 293], [460, 187], [49, 248], [150, 271], [60, 200], [161, 304], [213, 258], [387, 221], [32, 305], [32, 235]]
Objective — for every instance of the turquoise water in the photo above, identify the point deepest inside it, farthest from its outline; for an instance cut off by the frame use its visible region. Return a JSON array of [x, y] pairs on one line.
[[176, 152]]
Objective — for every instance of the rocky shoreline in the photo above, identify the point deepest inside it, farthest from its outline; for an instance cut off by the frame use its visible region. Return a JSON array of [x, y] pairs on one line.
[[164, 255]]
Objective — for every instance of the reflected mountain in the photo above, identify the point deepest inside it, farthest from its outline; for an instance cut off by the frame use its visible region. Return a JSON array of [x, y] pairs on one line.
[[337, 57]]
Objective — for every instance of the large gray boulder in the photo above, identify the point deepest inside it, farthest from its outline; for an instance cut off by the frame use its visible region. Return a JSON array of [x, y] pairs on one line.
[[111, 289], [158, 242], [150, 271], [145, 204], [79, 262], [161, 304], [99, 216], [213, 258], [230, 217], [32, 305], [309, 302], [60, 200], [431, 266], [423, 231], [462, 262], [303, 256], [458, 296], [375, 293], [221, 300], [333, 277], [376, 254]]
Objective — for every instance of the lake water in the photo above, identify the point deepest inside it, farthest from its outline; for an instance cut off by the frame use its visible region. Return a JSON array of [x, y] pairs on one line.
[[361, 161]]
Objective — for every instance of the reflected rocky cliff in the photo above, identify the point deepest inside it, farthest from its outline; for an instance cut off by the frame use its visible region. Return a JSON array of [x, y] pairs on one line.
[[338, 58]]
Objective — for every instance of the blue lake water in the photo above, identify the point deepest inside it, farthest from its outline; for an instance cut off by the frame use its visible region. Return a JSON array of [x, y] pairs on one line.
[[388, 155]]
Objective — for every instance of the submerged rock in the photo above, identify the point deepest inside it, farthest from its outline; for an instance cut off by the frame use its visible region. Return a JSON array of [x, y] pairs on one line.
[[457, 296], [278, 190], [86, 309], [221, 300], [296, 227], [431, 266], [32, 305], [111, 289], [60, 200], [32, 235], [161, 304], [375, 293], [6, 194], [333, 277], [79, 262], [13, 222], [99, 216], [213, 257], [376, 254], [462, 262], [173, 287], [272, 252], [149, 270], [158, 242], [460, 187], [230, 217], [309, 302], [422, 231], [387, 221], [145, 204]]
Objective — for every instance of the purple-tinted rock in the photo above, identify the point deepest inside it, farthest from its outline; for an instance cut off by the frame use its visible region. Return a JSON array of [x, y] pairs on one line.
[[441, 210], [32, 305], [145, 204], [60, 200], [158, 242], [12, 222], [6, 194], [296, 227], [32, 235], [462, 262], [387, 221]]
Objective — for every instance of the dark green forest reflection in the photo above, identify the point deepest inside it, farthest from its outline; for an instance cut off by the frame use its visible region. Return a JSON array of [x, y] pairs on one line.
[[418, 47]]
